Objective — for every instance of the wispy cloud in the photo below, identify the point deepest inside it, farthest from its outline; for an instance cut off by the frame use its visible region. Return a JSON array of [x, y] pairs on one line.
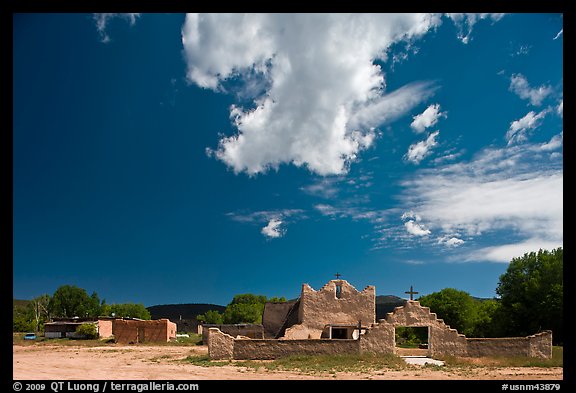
[[559, 34], [510, 189], [465, 23], [520, 86], [519, 129], [102, 21]]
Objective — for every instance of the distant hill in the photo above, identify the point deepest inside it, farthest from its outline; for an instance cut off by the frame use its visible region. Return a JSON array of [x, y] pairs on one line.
[[20, 303], [386, 304]]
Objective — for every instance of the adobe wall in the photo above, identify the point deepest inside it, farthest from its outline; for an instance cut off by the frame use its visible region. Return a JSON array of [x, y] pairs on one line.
[[138, 331], [322, 307], [247, 330], [220, 345], [273, 317], [104, 328], [538, 345], [273, 349]]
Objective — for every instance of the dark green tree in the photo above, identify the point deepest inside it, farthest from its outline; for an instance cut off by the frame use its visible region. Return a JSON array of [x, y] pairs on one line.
[[455, 307], [70, 301], [130, 310], [211, 317], [531, 294]]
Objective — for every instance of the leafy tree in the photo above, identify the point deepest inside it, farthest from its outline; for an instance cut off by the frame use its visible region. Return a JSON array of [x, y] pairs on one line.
[[22, 319], [244, 308], [70, 301], [455, 307], [486, 319], [531, 294], [211, 317], [130, 310]]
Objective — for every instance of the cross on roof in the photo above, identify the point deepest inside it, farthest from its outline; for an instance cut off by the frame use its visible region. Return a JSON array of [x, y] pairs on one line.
[[338, 275], [411, 292]]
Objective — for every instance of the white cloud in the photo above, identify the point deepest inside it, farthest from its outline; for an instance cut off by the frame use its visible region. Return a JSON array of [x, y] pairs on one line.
[[513, 192], [323, 94], [102, 21], [520, 86], [559, 34], [420, 150], [273, 229], [518, 131], [450, 241], [506, 252], [416, 229], [427, 119], [554, 143], [560, 108], [465, 22]]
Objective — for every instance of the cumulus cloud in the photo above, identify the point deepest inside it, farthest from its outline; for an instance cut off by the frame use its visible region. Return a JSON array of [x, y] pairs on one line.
[[102, 21], [413, 225], [273, 229], [465, 23], [519, 129], [427, 119], [450, 241], [520, 86], [512, 191], [420, 150], [560, 108], [415, 228], [321, 96]]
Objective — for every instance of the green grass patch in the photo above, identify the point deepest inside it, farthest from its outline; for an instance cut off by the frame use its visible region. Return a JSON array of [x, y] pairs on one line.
[[557, 360], [204, 361], [329, 363]]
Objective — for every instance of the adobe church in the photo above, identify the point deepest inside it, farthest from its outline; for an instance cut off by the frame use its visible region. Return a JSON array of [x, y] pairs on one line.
[[338, 319]]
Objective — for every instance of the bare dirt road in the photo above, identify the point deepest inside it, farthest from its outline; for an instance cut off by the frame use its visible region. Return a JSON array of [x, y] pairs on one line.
[[140, 362]]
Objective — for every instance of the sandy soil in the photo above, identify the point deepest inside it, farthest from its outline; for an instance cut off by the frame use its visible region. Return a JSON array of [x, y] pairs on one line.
[[140, 362]]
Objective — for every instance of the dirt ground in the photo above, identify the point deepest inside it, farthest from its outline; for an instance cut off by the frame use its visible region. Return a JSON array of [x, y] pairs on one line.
[[47, 362]]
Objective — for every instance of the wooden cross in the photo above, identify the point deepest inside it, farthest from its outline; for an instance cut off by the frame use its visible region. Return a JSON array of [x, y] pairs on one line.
[[337, 275], [411, 292]]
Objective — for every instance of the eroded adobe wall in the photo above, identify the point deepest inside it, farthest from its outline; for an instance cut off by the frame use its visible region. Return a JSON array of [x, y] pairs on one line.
[[247, 330], [442, 339], [379, 339], [322, 307], [538, 345], [541, 345], [274, 349], [220, 345]]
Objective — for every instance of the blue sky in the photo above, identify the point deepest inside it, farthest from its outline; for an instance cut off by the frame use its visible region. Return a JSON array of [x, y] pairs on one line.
[[171, 158]]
